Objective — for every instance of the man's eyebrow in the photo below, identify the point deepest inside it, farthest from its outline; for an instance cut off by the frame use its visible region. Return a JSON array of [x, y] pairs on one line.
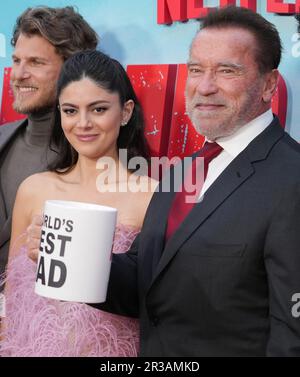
[[220, 64], [231, 65], [190, 62], [14, 56]]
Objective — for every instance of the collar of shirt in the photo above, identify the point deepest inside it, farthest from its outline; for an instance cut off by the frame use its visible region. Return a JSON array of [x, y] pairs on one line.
[[236, 143], [233, 145]]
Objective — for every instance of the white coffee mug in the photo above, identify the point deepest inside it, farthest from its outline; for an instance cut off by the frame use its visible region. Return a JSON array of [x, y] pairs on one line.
[[75, 251]]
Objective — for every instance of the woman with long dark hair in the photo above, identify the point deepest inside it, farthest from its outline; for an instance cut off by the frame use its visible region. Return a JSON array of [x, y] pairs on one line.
[[97, 115]]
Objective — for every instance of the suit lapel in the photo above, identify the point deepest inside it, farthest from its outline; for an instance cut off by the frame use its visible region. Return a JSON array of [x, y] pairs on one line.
[[222, 188], [5, 231], [240, 169], [7, 132], [154, 226]]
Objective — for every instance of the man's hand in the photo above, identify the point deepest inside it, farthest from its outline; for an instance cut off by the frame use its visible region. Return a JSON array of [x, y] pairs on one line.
[[34, 237]]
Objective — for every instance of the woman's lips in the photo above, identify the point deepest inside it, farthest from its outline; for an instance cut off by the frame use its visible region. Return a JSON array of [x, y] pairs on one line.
[[87, 137]]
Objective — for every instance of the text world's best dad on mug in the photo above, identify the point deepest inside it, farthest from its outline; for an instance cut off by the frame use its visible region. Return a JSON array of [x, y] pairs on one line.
[[75, 251]]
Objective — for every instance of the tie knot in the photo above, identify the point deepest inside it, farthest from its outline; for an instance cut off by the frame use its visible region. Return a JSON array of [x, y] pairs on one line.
[[210, 150]]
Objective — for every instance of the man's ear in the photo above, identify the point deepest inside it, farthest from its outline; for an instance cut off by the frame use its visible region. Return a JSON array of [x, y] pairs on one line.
[[270, 85]]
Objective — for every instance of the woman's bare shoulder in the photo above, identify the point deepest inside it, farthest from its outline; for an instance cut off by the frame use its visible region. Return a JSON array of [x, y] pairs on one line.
[[43, 177], [37, 183]]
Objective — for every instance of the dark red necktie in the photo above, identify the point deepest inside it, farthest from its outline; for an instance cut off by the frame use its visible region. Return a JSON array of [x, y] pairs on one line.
[[181, 206]]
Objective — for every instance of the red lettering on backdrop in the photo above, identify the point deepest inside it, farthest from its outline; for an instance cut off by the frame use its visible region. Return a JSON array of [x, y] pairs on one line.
[[182, 10], [184, 140], [250, 4], [278, 6], [195, 9], [171, 10], [154, 86], [224, 3], [7, 112]]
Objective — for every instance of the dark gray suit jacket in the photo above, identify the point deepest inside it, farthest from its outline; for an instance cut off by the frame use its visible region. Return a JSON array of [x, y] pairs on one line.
[[7, 133], [223, 283]]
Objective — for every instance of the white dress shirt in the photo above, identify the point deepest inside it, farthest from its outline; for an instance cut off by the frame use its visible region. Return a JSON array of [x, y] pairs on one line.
[[233, 145]]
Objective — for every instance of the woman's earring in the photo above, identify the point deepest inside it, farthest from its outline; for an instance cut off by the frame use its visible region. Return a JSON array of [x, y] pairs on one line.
[[123, 123]]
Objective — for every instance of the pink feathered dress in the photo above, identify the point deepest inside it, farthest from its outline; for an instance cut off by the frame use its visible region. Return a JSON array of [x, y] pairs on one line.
[[37, 326]]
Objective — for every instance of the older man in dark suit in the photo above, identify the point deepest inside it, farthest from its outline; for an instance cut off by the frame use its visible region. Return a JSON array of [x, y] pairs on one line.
[[220, 281]]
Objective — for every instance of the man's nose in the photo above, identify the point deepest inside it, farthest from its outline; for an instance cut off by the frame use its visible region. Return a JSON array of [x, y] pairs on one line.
[[20, 72], [207, 84]]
